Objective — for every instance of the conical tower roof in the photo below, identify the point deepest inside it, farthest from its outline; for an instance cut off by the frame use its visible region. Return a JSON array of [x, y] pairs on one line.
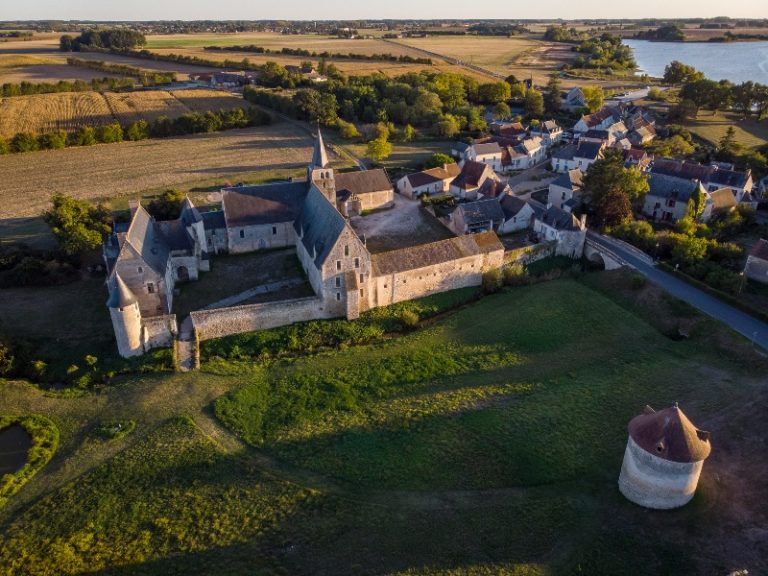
[[189, 213], [121, 296], [319, 156], [668, 434]]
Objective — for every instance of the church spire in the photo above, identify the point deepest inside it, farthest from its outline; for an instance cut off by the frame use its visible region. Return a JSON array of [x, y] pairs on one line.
[[319, 156]]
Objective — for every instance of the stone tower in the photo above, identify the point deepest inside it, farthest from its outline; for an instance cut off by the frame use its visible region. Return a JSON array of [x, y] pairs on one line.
[[663, 460], [319, 171], [126, 319]]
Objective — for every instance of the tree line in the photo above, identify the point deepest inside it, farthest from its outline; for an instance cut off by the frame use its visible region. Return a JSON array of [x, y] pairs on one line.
[[118, 38], [9, 89], [146, 77], [162, 127], [385, 57]]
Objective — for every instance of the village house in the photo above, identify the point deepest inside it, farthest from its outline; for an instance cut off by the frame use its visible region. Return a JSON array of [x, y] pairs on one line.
[[549, 132], [587, 153], [574, 99], [756, 267], [472, 217], [713, 177], [459, 151], [472, 176], [718, 202], [569, 232], [514, 131], [565, 188], [431, 182], [637, 157], [524, 155], [493, 188], [518, 214], [486, 152], [668, 197], [600, 120], [642, 135]]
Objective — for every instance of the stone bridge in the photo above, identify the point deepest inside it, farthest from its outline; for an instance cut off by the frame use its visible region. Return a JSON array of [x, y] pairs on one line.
[[597, 249]]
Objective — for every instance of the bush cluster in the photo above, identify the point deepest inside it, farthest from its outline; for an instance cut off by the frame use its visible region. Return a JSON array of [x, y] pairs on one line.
[[146, 77], [30, 88], [385, 57]]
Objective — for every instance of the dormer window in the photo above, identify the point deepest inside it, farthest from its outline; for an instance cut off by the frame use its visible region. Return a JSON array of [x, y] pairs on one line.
[[140, 270]]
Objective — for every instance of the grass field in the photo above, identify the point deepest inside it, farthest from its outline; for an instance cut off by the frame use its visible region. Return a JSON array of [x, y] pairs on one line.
[[486, 443], [135, 169], [712, 128], [42, 113]]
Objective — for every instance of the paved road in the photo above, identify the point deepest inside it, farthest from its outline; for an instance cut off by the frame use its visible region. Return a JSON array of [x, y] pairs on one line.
[[752, 328]]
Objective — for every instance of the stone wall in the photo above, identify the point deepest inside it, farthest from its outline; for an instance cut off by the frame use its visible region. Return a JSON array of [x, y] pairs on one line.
[[757, 270], [222, 322], [376, 200], [530, 254], [654, 482], [159, 331], [260, 237]]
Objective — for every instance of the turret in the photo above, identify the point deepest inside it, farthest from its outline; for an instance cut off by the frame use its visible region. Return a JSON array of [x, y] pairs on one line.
[[319, 171], [663, 460], [126, 318]]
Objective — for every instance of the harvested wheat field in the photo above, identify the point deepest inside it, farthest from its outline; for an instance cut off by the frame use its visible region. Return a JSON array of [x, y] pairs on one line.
[[110, 170], [42, 113]]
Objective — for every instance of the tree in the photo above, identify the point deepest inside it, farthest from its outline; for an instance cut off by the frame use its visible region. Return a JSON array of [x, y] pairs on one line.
[[685, 110], [594, 97], [379, 149], [347, 130], [554, 88], [408, 133], [316, 107], [83, 136], [138, 130], [674, 146], [494, 92], [447, 127], [501, 111], [534, 103], [614, 208], [55, 140], [608, 176], [109, 133], [728, 148], [67, 43], [77, 225], [438, 159], [25, 142], [744, 97], [5, 147], [688, 250], [167, 206], [677, 73], [518, 91]]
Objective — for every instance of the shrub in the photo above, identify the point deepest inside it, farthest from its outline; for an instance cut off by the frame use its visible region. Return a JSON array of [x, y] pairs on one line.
[[348, 130], [25, 142], [409, 318], [138, 130], [514, 275], [5, 147], [109, 133], [54, 140], [492, 281], [83, 136]]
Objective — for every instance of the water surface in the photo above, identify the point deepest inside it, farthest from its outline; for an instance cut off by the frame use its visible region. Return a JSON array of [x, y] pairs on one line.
[[15, 443]]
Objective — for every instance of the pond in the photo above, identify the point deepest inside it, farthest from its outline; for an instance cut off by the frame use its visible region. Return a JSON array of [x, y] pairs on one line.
[[734, 61], [15, 443]]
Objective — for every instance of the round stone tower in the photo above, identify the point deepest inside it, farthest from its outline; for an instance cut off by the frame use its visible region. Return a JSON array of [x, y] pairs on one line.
[[663, 459], [126, 319]]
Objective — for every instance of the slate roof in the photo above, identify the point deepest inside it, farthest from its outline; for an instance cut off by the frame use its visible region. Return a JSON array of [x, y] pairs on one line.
[[319, 225], [214, 220], [668, 434], [146, 241], [671, 187], [481, 211], [760, 250], [597, 134], [731, 178], [319, 153], [264, 204], [560, 219], [460, 146], [589, 150], [363, 181], [487, 148], [511, 206], [469, 177], [440, 252], [492, 188], [175, 235], [723, 199], [565, 153], [571, 180], [687, 170], [546, 127], [433, 175], [120, 295], [189, 214]]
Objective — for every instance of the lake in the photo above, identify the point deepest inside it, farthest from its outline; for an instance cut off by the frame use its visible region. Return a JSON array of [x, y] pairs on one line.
[[734, 61], [15, 442]]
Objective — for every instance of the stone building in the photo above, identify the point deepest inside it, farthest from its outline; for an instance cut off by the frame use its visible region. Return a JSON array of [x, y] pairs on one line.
[[756, 267], [146, 258], [561, 226], [663, 459]]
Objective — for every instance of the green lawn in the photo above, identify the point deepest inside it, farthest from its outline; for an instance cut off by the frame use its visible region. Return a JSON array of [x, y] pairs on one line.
[[487, 442], [712, 128]]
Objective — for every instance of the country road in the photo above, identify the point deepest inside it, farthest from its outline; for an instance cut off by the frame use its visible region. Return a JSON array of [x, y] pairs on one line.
[[751, 328]]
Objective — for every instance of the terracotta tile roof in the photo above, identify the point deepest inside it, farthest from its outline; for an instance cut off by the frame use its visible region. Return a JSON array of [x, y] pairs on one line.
[[439, 174], [425, 255], [668, 434], [687, 170], [470, 176], [760, 250]]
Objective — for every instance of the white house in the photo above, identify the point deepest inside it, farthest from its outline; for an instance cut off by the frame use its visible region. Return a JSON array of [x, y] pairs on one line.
[[467, 184], [563, 159], [524, 155], [486, 152], [563, 227], [549, 132], [600, 120], [433, 181], [756, 267], [565, 187], [518, 214], [575, 99], [718, 202], [587, 153]]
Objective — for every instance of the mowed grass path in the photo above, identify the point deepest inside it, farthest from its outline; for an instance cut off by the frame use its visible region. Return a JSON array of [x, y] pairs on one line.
[[487, 443]]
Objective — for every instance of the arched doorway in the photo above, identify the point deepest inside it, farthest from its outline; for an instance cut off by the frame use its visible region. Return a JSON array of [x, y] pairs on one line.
[[182, 273]]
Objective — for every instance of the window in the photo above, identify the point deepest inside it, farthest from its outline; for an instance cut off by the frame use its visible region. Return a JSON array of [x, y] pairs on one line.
[[338, 296], [242, 233], [150, 288], [385, 285], [140, 270], [362, 277], [357, 262], [362, 292], [274, 230], [338, 281], [338, 264], [346, 249]]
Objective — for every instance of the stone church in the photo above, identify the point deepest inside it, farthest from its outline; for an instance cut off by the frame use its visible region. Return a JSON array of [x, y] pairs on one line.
[[145, 258]]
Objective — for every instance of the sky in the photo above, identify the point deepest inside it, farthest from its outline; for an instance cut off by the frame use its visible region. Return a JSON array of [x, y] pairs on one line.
[[371, 9]]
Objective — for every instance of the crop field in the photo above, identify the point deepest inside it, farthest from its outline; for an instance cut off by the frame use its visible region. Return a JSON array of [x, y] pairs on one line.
[[42, 113], [488, 442], [111, 171]]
